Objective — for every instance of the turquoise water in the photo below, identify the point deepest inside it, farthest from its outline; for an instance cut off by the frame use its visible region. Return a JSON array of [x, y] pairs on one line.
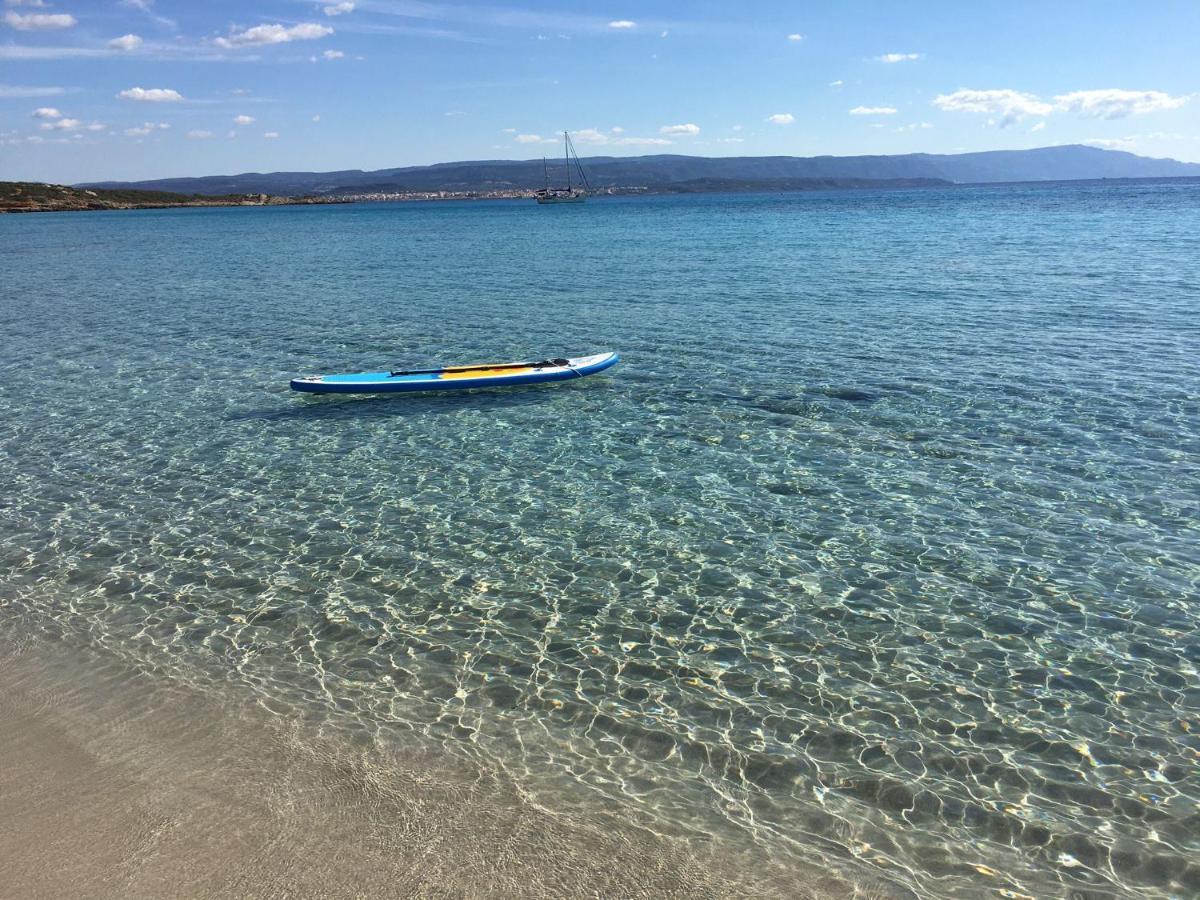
[[880, 550]]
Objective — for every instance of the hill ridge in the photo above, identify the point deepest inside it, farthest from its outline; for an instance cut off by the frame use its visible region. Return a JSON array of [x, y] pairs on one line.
[[670, 171]]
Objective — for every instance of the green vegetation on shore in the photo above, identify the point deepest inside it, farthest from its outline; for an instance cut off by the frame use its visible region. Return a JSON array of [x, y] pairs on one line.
[[27, 196]]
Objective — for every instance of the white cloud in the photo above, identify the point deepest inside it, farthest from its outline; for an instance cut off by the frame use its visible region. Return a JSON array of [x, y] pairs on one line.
[[782, 118], [151, 95], [338, 8], [97, 126], [243, 120], [617, 129], [595, 136], [62, 125], [731, 140], [1038, 127], [530, 138], [591, 136], [20, 91], [1010, 105], [622, 23], [46, 112], [689, 129], [126, 42], [509, 130], [316, 118], [333, 54], [897, 57], [274, 34], [874, 111], [199, 134], [664, 34], [1113, 103], [270, 135], [836, 84], [913, 126], [795, 37], [37, 3], [736, 128], [39, 21]]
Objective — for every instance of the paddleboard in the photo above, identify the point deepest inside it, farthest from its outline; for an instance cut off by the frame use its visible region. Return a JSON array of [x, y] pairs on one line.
[[456, 378]]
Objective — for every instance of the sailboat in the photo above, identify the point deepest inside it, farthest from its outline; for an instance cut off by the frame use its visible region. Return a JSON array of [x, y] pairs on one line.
[[569, 194]]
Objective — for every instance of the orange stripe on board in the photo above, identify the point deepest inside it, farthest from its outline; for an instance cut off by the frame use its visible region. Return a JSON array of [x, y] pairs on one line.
[[486, 373]]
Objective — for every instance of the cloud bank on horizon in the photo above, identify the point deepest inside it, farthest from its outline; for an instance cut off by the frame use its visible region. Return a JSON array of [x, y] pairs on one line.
[[373, 83]]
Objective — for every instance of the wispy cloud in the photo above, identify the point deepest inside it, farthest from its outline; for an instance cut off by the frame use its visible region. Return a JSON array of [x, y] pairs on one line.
[[897, 57], [795, 37], [338, 9], [146, 128], [274, 34], [1126, 143], [243, 120], [1113, 103], [18, 91], [147, 8], [65, 124], [46, 112], [200, 134], [529, 139], [151, 95], [18, 51], [270, 135], [622, 24], [126, 42], [1012, 106], [615, 137], [39, 21], [781, 119], [688, 129], [874, 111]]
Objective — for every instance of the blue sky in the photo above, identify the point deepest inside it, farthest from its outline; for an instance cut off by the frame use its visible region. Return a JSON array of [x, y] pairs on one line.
[[131, 89]]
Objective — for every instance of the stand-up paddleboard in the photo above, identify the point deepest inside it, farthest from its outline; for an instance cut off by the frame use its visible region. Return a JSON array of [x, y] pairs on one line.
[[456, 378]]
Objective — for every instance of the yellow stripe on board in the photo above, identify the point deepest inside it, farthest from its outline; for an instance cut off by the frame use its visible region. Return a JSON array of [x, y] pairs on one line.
[[486, 373]]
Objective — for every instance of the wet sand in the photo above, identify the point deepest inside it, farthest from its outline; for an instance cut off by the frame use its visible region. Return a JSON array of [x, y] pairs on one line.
[[120, 784]]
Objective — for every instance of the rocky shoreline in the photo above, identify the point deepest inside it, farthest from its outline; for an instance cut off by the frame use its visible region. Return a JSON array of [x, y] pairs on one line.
[[21, 196]]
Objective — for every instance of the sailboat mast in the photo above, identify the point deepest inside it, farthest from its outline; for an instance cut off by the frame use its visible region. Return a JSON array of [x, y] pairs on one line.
[[567, 160], [545, 173]]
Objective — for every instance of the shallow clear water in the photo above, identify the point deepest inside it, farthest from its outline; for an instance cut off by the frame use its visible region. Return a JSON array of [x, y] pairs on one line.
[[880, 549]]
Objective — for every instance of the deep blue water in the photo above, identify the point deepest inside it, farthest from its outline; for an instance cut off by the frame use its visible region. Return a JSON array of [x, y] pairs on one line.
[[880, 549]]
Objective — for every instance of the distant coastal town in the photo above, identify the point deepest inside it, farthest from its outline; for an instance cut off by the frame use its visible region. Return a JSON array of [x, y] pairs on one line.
[[19, 197]]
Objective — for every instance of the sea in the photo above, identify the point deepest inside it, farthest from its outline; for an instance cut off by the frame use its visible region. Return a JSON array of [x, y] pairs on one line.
[[878, 554]]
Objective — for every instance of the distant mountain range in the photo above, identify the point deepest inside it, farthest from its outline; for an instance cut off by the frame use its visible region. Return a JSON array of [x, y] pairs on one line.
[[697, 173]]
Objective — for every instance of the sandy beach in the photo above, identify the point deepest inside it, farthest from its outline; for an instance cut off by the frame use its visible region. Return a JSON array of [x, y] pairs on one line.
[[114, 784]]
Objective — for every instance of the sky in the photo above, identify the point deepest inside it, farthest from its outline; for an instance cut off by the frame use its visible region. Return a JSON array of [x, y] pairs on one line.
[[136, 89]]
